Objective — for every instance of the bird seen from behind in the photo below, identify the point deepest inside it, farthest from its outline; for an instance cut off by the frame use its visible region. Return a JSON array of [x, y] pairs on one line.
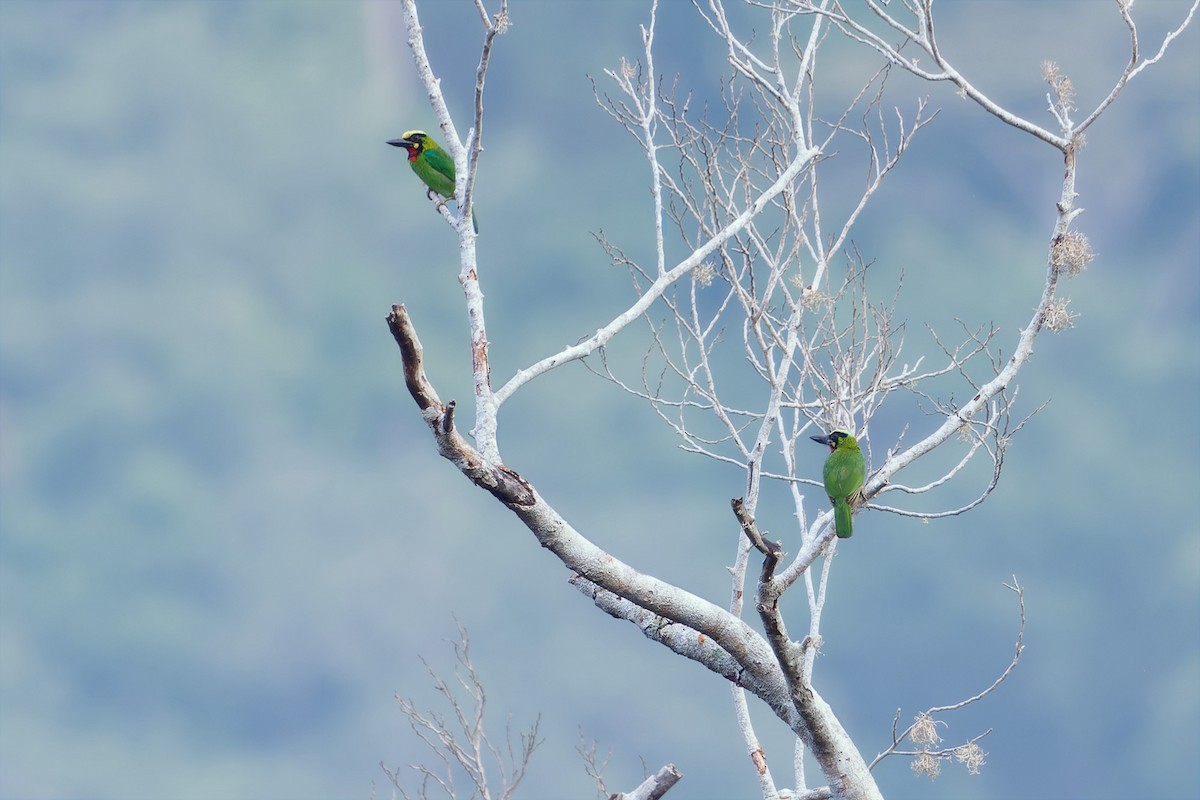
[[845, 471]]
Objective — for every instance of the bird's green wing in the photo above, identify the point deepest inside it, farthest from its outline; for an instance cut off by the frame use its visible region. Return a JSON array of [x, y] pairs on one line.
[[442, 164], [432, 178], [436, 169], [844, 473]]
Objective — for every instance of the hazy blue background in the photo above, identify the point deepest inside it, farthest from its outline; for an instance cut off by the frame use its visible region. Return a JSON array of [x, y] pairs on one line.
[[225, 536]]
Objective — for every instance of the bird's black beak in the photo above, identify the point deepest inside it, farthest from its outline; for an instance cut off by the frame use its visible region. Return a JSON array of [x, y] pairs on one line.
[[825, 440], [399, 142]]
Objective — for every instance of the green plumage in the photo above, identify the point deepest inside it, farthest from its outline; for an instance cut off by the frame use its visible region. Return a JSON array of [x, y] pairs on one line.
[[845, 471], [431, 163]]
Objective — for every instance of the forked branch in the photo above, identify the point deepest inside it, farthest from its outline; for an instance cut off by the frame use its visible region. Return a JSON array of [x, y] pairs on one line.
[[461, 744], [923, 730]]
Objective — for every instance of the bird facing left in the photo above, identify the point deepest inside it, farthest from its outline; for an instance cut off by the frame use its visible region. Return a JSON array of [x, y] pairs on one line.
[[431, 163]]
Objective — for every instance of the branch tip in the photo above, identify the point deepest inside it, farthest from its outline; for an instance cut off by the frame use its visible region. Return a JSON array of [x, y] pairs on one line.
[[772, 550]]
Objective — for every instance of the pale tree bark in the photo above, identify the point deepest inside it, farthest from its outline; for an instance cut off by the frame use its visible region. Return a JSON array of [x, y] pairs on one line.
[[741, 188]]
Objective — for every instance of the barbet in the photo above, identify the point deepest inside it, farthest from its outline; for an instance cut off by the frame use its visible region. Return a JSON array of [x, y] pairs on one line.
[[431, 163], [845, 471]]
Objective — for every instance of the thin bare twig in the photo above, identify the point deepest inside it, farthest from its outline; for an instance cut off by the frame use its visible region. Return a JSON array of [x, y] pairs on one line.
[[923, 729], [461, 745]]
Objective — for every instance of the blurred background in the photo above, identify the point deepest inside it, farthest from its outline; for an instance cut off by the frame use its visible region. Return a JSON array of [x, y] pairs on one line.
[[226, 539]]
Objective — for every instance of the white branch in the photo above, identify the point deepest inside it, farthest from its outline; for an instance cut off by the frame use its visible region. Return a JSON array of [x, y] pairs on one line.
[[655, 290]]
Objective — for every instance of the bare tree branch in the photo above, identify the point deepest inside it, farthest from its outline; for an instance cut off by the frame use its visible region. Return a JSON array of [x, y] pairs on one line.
[[654, 787], [923, 730], [506, 485], [757, 336], [462, 745]]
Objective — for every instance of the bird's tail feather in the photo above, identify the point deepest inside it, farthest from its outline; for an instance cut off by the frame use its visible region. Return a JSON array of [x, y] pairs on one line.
[[842, 521]]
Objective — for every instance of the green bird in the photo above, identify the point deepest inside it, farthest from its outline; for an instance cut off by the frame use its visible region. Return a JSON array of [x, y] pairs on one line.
[[432, 164], [845, 471]]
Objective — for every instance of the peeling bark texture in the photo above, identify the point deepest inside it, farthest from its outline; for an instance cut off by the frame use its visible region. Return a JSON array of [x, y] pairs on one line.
[[503, 483]]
